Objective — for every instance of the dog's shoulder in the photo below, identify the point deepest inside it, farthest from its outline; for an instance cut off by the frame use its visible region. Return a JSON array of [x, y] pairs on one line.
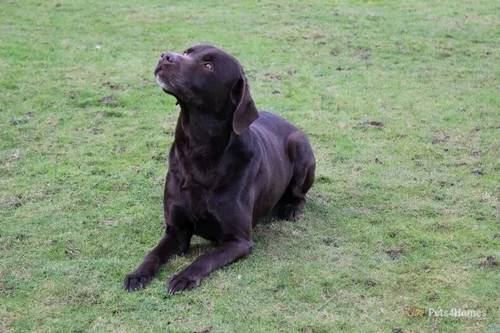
[[273, 122], [242, 146]]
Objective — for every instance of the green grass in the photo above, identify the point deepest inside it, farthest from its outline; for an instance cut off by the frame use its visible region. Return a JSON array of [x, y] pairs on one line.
[[400, 100]]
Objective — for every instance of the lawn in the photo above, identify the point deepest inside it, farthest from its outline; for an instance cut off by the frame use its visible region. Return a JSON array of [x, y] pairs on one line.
[[401, 103]]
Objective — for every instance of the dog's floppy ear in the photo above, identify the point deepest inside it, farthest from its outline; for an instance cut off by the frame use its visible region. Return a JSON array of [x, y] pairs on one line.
[[245, 112]]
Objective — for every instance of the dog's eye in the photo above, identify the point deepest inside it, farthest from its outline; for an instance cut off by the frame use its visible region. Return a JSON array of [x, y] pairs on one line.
[[187, 52], [208, 66]]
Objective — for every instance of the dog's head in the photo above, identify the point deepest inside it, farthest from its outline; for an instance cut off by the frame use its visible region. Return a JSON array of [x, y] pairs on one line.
[[206, 78]]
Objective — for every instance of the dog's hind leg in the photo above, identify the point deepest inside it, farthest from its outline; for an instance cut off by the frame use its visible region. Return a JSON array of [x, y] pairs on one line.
[[292, 202]]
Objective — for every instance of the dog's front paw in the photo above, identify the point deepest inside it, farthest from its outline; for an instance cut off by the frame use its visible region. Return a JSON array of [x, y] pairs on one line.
[[182, 281], [136, 280]]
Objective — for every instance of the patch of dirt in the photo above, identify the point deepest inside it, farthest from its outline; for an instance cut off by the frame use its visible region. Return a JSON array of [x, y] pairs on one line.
[[16, 121], [322, 199], [417, 160], [159, 157], [370, 283], [335, 51], [11, 156], [53, 122], [362, 53], [432, 297], [365, 210], [112, 85], [441, 226], [6, 290], [330, 241], [324, 180], [72, 251], [489, 261], [205, 330], [13, 201], [413, 311], [393, 234], [95, 130], [476, 153], [443, 183], [371, 123], [112, 114], [273, 77], [108, 100], [109, 222], [394, 253], [318, 35], [440, 138]]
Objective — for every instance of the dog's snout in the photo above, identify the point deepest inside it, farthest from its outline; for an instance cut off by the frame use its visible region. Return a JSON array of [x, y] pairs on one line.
[[170, 57]]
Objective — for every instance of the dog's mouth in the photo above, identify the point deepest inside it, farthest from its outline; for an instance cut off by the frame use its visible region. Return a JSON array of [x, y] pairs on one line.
[[171, 82], [164, 85], [170, 85]]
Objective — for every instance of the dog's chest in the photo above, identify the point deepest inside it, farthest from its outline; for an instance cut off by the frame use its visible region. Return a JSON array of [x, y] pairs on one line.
[[205, 224]]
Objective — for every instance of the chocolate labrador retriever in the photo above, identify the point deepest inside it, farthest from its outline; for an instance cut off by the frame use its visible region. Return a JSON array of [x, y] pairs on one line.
[[229, 166]]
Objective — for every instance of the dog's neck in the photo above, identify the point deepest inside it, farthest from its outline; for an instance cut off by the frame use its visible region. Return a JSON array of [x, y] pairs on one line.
[[201, 138]]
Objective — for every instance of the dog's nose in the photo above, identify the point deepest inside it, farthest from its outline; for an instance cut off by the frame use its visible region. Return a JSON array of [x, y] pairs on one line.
[[170, 57]]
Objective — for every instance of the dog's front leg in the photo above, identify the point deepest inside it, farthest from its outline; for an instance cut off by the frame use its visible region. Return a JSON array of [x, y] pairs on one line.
[[227, 253], [174, 242]]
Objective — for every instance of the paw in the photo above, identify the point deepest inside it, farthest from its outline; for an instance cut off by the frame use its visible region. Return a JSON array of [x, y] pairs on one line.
[[182, 281], [134, 281], [290, 213]]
